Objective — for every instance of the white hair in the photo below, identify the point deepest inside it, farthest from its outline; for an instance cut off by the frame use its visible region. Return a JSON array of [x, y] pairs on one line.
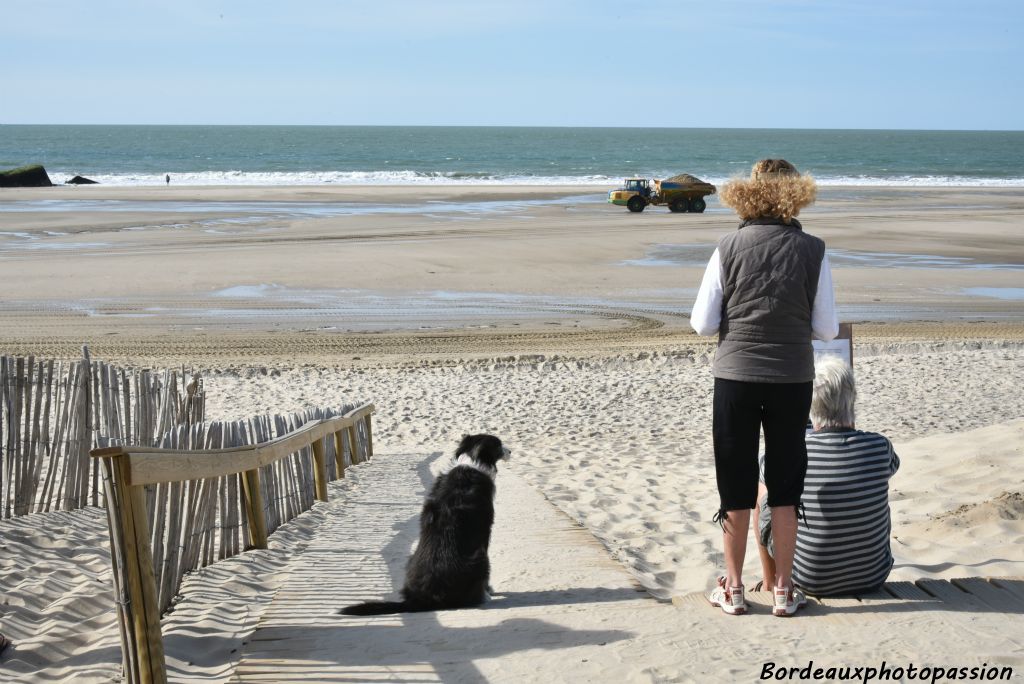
[[834, 394]]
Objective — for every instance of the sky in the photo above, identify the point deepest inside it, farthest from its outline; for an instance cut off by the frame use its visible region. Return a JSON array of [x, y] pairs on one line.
[[896, 64]]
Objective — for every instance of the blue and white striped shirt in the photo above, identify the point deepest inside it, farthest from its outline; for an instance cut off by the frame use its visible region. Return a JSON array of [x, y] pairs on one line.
[[844, 546]]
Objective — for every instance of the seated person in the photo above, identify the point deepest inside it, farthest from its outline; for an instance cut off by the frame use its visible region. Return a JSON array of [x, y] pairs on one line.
[[842, 547]]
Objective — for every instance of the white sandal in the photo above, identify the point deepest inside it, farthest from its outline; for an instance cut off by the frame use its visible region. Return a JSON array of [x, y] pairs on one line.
[[729, 599], [788, 601]]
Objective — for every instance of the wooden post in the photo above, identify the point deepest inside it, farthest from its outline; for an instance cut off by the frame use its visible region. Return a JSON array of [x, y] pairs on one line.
[[846, 332], [87, 436], [128, 652], [369, 435], [352, 444], [138, 560], [319, 470], [339, 454], [254, 509]]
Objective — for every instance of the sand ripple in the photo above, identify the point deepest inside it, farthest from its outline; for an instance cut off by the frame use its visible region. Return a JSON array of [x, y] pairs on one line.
[[58, 605]]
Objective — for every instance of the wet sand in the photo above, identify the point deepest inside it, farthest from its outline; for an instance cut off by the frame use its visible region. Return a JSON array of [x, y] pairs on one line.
[[337, 272]]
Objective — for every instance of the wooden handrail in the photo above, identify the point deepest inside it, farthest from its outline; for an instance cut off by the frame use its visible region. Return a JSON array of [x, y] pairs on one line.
[[150, 465], [136, 467]]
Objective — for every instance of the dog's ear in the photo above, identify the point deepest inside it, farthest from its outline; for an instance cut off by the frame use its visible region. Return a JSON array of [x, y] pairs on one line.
[[489, 449], [466, 445]]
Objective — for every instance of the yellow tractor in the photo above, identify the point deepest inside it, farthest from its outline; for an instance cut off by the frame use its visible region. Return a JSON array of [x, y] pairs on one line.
[[681, 193]]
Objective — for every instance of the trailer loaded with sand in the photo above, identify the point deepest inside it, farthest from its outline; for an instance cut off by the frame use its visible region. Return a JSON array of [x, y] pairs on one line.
[[681, 193]]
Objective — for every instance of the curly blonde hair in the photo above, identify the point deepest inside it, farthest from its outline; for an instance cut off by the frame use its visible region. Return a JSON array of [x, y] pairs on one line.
[[775, 189]]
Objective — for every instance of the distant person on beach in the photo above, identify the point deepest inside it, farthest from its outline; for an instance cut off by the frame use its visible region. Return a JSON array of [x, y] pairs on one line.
[[168, 178], [844, 547], [767, 292]]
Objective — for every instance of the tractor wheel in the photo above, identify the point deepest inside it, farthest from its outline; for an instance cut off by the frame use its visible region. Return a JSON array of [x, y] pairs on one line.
[[698, 205], [636, 204], [679, 206]]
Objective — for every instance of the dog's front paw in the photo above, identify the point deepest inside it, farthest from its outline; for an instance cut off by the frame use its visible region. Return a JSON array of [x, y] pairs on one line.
[[487, 595]]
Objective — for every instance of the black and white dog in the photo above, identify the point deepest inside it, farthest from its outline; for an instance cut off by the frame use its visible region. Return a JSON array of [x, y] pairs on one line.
[[450, 568]]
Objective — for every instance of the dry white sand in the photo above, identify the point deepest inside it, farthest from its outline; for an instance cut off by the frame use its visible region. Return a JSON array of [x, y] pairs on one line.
[[620, 444], [57, 604]]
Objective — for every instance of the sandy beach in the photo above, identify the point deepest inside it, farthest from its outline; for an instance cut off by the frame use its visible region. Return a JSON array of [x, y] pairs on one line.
[[545, 316]]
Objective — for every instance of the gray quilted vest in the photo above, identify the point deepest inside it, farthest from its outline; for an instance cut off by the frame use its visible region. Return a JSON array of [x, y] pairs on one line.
[[769, 280]]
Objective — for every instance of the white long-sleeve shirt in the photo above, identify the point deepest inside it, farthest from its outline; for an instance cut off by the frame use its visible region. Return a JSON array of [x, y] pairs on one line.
[[707, 310]]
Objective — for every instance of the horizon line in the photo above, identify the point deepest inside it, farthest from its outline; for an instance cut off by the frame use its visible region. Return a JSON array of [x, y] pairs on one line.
[[695, 128]]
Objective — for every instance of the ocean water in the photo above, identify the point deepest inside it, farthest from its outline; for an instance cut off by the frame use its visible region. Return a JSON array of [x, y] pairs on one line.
[[377, 155]]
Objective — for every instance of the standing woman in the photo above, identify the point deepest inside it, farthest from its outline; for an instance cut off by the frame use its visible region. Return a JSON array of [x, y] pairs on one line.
[[767, 291]]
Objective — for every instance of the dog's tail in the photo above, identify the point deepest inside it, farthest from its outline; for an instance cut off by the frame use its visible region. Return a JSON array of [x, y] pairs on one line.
[[379, 608]]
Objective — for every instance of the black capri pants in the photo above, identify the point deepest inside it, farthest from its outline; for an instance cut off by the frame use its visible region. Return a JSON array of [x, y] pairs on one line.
[[740, 410]]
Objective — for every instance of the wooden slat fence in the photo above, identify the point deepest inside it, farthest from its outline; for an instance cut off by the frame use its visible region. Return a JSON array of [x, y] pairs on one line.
[[52, 413], [208, 492]]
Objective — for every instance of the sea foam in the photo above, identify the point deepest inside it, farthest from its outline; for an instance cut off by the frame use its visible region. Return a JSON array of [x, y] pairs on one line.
[[370, 178]]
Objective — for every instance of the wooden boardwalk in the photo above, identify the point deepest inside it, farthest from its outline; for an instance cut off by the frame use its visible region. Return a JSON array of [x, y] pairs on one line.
[[543, 562]]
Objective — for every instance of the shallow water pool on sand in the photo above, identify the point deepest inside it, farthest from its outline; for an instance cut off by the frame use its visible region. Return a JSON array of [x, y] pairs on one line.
[[693, 255], [1015, 294], [291, 209]]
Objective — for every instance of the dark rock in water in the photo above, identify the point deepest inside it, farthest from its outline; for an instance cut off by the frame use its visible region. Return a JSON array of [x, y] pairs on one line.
[[81, 180], [25, 177]]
